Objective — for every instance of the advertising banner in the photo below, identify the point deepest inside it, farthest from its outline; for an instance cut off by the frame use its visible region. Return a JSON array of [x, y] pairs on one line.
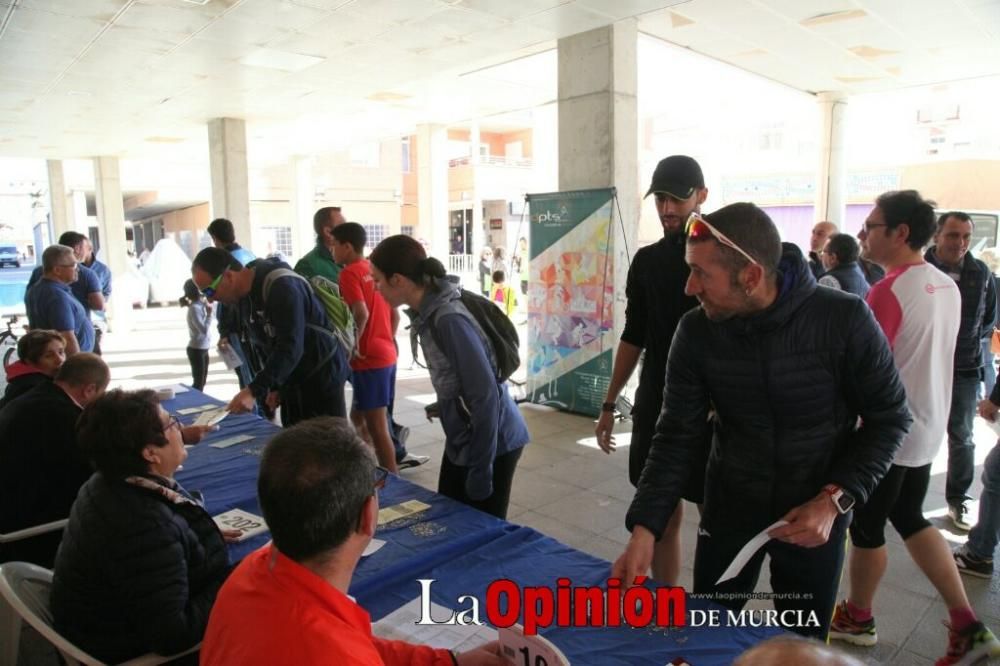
[[570, 299]]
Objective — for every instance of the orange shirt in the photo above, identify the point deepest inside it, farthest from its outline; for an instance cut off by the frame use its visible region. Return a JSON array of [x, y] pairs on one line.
[[274, 611]]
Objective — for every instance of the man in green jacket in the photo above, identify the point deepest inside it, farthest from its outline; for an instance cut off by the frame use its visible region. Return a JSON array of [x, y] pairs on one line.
[[319, 260]]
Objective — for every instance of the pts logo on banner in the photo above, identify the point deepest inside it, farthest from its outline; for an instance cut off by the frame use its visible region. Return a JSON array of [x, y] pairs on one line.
[[553, 217]]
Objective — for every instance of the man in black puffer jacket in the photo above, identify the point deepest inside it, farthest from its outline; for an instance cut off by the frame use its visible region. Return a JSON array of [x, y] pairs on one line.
[[788, 370]]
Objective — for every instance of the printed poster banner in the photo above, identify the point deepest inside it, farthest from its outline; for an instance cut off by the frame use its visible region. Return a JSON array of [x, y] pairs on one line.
[[570, 300]]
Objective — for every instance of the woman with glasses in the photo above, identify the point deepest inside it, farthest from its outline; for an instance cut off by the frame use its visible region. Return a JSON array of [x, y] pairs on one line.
[[484, 431], [141, 560]]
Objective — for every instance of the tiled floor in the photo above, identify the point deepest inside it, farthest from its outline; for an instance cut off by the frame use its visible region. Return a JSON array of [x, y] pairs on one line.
[[567, 488]]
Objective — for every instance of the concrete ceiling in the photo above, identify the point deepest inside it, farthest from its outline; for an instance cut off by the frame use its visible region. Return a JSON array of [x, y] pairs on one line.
[[140, 78]]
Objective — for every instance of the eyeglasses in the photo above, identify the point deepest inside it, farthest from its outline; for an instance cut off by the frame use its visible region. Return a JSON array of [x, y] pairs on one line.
[[380, 476], [868, 226], [209, 291], [172, 422], [698, 227], [73, 265]]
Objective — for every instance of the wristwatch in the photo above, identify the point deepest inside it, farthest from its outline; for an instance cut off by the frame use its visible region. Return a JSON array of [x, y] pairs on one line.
[[607, 406], [841, 499]]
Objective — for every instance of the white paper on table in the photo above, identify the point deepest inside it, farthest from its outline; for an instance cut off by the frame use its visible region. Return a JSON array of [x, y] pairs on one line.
[[210, 418], [231, 441], [373, 547], [747, 552], [194, 410], [176, 388], [994, 425], [401, 625]]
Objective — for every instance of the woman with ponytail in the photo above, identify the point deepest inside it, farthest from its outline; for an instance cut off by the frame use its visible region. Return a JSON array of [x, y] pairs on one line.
[[484, 431]]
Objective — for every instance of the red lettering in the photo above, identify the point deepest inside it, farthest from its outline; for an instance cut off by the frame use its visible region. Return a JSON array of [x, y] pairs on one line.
[[637, 605], [588, 607], [614, 606], [562, 602], [667, 598], [508, 588], [538, 609]]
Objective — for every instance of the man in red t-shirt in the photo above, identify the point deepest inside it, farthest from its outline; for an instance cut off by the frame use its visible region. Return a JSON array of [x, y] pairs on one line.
[[373, 375], [287, 603]]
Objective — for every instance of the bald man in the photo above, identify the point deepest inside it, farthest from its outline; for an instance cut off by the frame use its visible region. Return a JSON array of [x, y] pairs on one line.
[[820, 233]]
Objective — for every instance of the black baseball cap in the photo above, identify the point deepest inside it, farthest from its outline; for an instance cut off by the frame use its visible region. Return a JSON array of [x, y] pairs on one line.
[[677, 175]]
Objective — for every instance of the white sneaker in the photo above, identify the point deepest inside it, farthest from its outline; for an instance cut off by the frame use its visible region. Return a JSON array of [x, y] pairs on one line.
[[411, 460]]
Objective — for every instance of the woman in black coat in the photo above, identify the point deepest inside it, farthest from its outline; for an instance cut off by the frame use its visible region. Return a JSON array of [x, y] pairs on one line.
[[141, 560]]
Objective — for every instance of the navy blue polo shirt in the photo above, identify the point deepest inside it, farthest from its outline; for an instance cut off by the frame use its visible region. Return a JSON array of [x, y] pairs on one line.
[[86, 283], [51, 305]]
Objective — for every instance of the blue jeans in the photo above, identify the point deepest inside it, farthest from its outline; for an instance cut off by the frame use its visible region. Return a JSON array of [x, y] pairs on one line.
[[985, 535], [961, 448]]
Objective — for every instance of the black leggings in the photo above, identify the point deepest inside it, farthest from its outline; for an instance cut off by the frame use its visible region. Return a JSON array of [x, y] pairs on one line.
[[451, 483], [199, 367], [899, 498]]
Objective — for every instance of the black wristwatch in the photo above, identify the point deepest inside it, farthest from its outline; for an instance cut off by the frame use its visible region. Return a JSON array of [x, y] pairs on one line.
[[607, 407], [841, 499]]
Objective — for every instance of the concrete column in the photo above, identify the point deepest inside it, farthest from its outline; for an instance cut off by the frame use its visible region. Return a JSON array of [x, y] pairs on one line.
[[432, 188], [227, 147], [78, 212], [111, 227], [303, 206], [58, 208], [598, 130], [831, 186]]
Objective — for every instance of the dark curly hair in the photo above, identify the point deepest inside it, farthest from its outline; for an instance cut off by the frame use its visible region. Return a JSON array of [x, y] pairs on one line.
[[114, 429]]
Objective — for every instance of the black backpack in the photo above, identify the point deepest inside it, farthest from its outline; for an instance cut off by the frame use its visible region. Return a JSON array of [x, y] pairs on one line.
[[499, 330]]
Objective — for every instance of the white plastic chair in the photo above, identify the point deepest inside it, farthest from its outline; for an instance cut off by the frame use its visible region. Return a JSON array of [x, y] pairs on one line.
[[25, 588], [29, 532]]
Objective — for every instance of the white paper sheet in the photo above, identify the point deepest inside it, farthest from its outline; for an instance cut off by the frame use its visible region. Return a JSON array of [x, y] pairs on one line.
[[401, 625], [231, 441], [210, 418], [747, 552], [373, 547], [176, 388], [194, 410]]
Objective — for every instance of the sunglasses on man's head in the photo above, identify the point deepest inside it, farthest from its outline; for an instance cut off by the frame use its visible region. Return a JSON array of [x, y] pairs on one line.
[[698, 227], [209, 291]]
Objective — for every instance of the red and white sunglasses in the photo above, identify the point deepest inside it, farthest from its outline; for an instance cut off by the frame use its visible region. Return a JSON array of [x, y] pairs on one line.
[[698, 227]]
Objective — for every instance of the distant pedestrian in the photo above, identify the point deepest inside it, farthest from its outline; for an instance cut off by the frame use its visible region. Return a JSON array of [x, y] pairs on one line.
[[199, 321], [503, 295]]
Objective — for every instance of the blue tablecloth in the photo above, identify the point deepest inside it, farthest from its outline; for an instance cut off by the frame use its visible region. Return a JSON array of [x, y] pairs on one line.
[[463, 549], [227, 478]]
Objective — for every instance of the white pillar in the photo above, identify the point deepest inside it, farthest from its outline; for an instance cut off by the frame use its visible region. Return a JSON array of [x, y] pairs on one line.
[[303, 205], [831, 186], [58, 206], [432, 188], [79, 211], [111, 227], [598, 129], [227, 148]]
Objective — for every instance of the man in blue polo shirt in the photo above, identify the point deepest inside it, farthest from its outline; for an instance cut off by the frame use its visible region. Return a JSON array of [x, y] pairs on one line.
[[88, 288], [51, 305]]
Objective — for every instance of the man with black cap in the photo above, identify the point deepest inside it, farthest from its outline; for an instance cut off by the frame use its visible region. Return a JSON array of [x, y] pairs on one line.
[[656, 302]]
